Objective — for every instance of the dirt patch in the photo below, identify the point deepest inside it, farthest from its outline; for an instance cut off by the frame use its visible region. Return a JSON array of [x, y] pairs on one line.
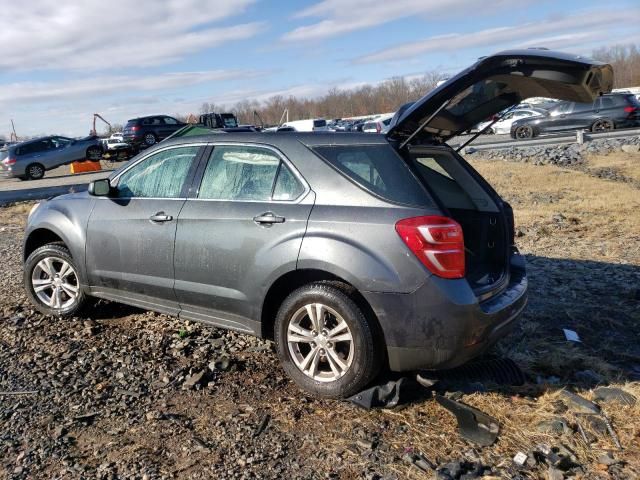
[[106, 395]]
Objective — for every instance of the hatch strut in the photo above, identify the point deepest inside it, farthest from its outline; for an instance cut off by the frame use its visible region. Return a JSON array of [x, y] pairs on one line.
[[477, 134], [424, 124]]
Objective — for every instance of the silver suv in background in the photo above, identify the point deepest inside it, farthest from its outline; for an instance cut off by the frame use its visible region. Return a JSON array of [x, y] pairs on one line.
[[29, 160], [352, 252]]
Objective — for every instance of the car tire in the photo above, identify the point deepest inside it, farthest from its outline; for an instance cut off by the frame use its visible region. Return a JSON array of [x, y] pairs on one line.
[[94, 153], [524, 132], [52, 282], [602, 125], [150, 139], [325, 343], [34, 171]]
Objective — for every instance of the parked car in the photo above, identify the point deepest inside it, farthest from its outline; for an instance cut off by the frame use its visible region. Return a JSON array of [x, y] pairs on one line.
[[357, 126], [29, 160], [377, 125], [616, 110], [115, 143], [354, 253], [503, 126], [144, 132], [309, 125]]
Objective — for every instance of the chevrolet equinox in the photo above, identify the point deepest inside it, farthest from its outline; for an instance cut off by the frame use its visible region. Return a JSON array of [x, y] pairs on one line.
[[352, 252]]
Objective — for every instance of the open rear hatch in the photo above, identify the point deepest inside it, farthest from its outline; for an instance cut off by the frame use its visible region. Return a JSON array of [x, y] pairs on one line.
[[495, 83], [486, 88]]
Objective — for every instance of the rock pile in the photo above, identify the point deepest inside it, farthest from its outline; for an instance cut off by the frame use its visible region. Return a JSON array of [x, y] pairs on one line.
[[562, 155]]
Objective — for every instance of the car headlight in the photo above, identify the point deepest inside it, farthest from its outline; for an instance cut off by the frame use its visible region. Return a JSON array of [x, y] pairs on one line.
[[33, 209]]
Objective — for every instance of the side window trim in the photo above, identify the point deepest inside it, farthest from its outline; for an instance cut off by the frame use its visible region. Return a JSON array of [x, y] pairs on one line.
[[206, 156]]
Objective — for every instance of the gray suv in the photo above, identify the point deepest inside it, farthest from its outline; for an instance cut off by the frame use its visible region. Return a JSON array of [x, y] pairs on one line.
[[29, 160], [352, 252]]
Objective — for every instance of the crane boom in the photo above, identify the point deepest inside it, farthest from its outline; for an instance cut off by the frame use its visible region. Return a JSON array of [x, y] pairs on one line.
[[96, 116]]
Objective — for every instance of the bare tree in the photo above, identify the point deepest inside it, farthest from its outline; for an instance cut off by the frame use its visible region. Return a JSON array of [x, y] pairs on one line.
[[625, 60]]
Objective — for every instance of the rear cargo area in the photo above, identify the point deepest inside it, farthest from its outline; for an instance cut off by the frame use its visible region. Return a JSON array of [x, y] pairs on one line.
[[462, 197]]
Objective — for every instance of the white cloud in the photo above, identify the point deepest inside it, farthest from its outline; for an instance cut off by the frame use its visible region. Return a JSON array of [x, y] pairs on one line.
[[18, 94], [340, 16], [564, 32], [98, 34]]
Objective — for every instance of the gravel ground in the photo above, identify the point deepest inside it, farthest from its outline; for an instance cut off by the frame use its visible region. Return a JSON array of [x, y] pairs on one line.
[[123, 393]]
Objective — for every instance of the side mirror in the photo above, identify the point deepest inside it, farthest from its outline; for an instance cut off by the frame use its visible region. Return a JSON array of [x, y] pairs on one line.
[[99, 188]]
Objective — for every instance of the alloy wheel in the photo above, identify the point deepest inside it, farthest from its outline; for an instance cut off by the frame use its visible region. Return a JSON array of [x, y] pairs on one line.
[[35, 172], [149, 139], [524, 132], [602, 126], [55, 283], [320, 342]]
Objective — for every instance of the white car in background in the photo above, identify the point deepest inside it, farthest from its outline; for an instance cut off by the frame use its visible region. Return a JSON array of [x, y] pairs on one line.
[[309, 125], [503, 126], [377, 125], [115, 142]]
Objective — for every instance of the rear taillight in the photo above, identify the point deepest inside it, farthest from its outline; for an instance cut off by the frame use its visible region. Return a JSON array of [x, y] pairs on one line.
[[630, 109], [437, 242], [378, 127], [135, 128], [9, 161]]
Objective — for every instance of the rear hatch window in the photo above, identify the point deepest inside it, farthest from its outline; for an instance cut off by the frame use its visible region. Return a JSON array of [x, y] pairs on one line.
[[377, 169], [130, 124]]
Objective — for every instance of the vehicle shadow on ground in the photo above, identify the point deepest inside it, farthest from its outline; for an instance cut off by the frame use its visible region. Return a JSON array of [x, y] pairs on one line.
[[597, 300]]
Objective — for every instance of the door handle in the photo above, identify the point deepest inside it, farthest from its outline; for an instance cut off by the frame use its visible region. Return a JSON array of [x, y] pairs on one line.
[[268, 218], [160, 217]]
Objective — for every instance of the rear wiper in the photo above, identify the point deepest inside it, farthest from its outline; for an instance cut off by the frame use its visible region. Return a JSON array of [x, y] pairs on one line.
[[424, 124], [497, 119]]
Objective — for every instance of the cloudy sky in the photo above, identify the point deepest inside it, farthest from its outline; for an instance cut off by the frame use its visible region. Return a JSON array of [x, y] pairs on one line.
[[63, 60]]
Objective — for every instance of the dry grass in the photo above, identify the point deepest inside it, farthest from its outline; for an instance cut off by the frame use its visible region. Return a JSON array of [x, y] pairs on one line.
[[627, 164], [15, 215], [602, 216]]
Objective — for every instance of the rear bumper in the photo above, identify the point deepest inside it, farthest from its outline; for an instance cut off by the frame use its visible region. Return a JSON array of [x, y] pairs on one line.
[[442, 325], [11, 172]]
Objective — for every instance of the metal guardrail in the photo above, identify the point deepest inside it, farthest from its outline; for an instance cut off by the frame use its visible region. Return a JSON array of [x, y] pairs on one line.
[[554, 140]]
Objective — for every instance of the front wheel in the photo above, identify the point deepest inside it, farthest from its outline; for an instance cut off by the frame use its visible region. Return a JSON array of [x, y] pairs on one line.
[[52, 282], [94, 153], [325, 343]]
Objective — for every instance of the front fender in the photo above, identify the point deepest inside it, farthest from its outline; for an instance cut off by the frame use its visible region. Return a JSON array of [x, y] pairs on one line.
[[66, 218]]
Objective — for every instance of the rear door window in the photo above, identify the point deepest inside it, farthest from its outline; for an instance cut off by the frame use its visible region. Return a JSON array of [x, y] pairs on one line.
[[582, 107], [239, 173], [319, 123], [377, 169]]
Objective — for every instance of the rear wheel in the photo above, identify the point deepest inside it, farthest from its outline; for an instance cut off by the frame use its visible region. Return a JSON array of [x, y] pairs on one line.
[[602, 125], [52, 282], [325, 343], [35, 171], [523, 132], [150, 139]]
